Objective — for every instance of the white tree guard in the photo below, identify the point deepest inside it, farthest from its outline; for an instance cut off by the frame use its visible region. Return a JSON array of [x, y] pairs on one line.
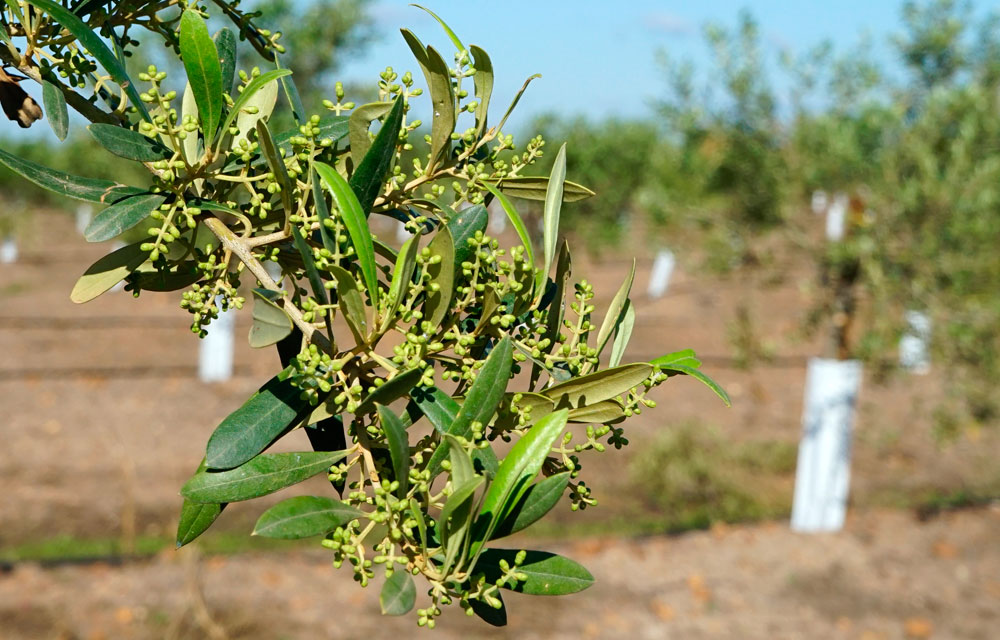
[[274, 270], [498, 221], [914, 355], [84, 213], [215, 351], [836, 217], [823, 473], [402, 233], [8, 250], [819, 202], [659, 275]]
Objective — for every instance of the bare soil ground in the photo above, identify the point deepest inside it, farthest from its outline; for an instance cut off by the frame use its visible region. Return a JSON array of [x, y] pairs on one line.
[[101, 421]]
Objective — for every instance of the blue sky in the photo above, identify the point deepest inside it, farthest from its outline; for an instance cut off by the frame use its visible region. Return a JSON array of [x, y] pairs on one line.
[[598, 58]]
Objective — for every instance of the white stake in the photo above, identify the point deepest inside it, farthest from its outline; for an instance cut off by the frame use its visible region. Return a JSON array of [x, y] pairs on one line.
[[913, 352], [820, 202], [402, 233], [836, 217], [8, 250], [274, 270], [498, 221], [659, 275], [215, 352], [822, 477], [83, 215]]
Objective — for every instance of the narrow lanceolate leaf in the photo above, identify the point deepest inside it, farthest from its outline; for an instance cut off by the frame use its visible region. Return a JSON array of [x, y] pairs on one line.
[[309, 264], [190, 145], [67, 184], [394, 388], [258, 108], [599, 413], [437, 405], [514, 102], [399, 447], [399, 593], [402, 275], [481, 402], [370, 174], [121, 216], [276, 162], [547, 574], [246, 98], [456, 514], [623, 332], [442, 98], [270, 322], [489, 615], [356, 222], [107, 272], [254, 426], [553, 205], [615, 310], [195, 519], [535, 503], [360, 121], [127, 143], [451, 34], [88, 37], [304, 517], [463, 225], [180, 276], [55, 109], [672, 369], [517, 223], [292, 95], [350, 302], [515, 476], [204, 71], [684, 357], [535, 188], [597, 387], [225, 44], [483, 80], [442, 277], [267, 473]]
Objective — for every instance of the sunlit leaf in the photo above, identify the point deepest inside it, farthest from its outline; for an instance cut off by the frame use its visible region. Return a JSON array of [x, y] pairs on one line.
[[270, 322], [304, 517], [121, 216], [402, 275], [553, 206], [55, 109], [371, 172], [535, 188], [127, 143], [538, 500], [204, 71], [442, 99], [254, 426], [672, 369], [599, 386], [267, 473], [351, 304], [399, 447], [107, 272], [398, 594], [623, 332], [483, 80], [614, 310], [67, 184], [356, 222], [547, 574], [442, 277]]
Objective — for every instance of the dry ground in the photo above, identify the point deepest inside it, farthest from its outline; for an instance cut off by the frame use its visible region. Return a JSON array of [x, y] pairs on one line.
[[102, 422]]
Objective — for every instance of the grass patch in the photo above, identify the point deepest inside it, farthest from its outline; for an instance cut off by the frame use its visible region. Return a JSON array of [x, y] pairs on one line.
[[71, 548], [692, 477]]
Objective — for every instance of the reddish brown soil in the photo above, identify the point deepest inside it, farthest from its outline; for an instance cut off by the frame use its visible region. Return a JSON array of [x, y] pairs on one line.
[[101, 424]]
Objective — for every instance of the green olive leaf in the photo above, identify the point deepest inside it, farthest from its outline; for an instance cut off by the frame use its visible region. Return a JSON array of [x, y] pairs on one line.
[[351, 304], [442, 98], [402, 277], [225, 44], [107, 272], [360, 120], [442, 282], [398, 595], [264, 474], [55, 109], [263, 418], [615, 310], [623, 332], [371, 171], [674, 369], [536, 187], [547, 574], [67, 184], [394, 388], [304, 517], [128, 144], [121, 216], [599, 386], [204, 71], [356, 222], [538, 500], [483, 80], [399, 447], [515, 475], [553, 205], [196, 517], [270, 322]]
